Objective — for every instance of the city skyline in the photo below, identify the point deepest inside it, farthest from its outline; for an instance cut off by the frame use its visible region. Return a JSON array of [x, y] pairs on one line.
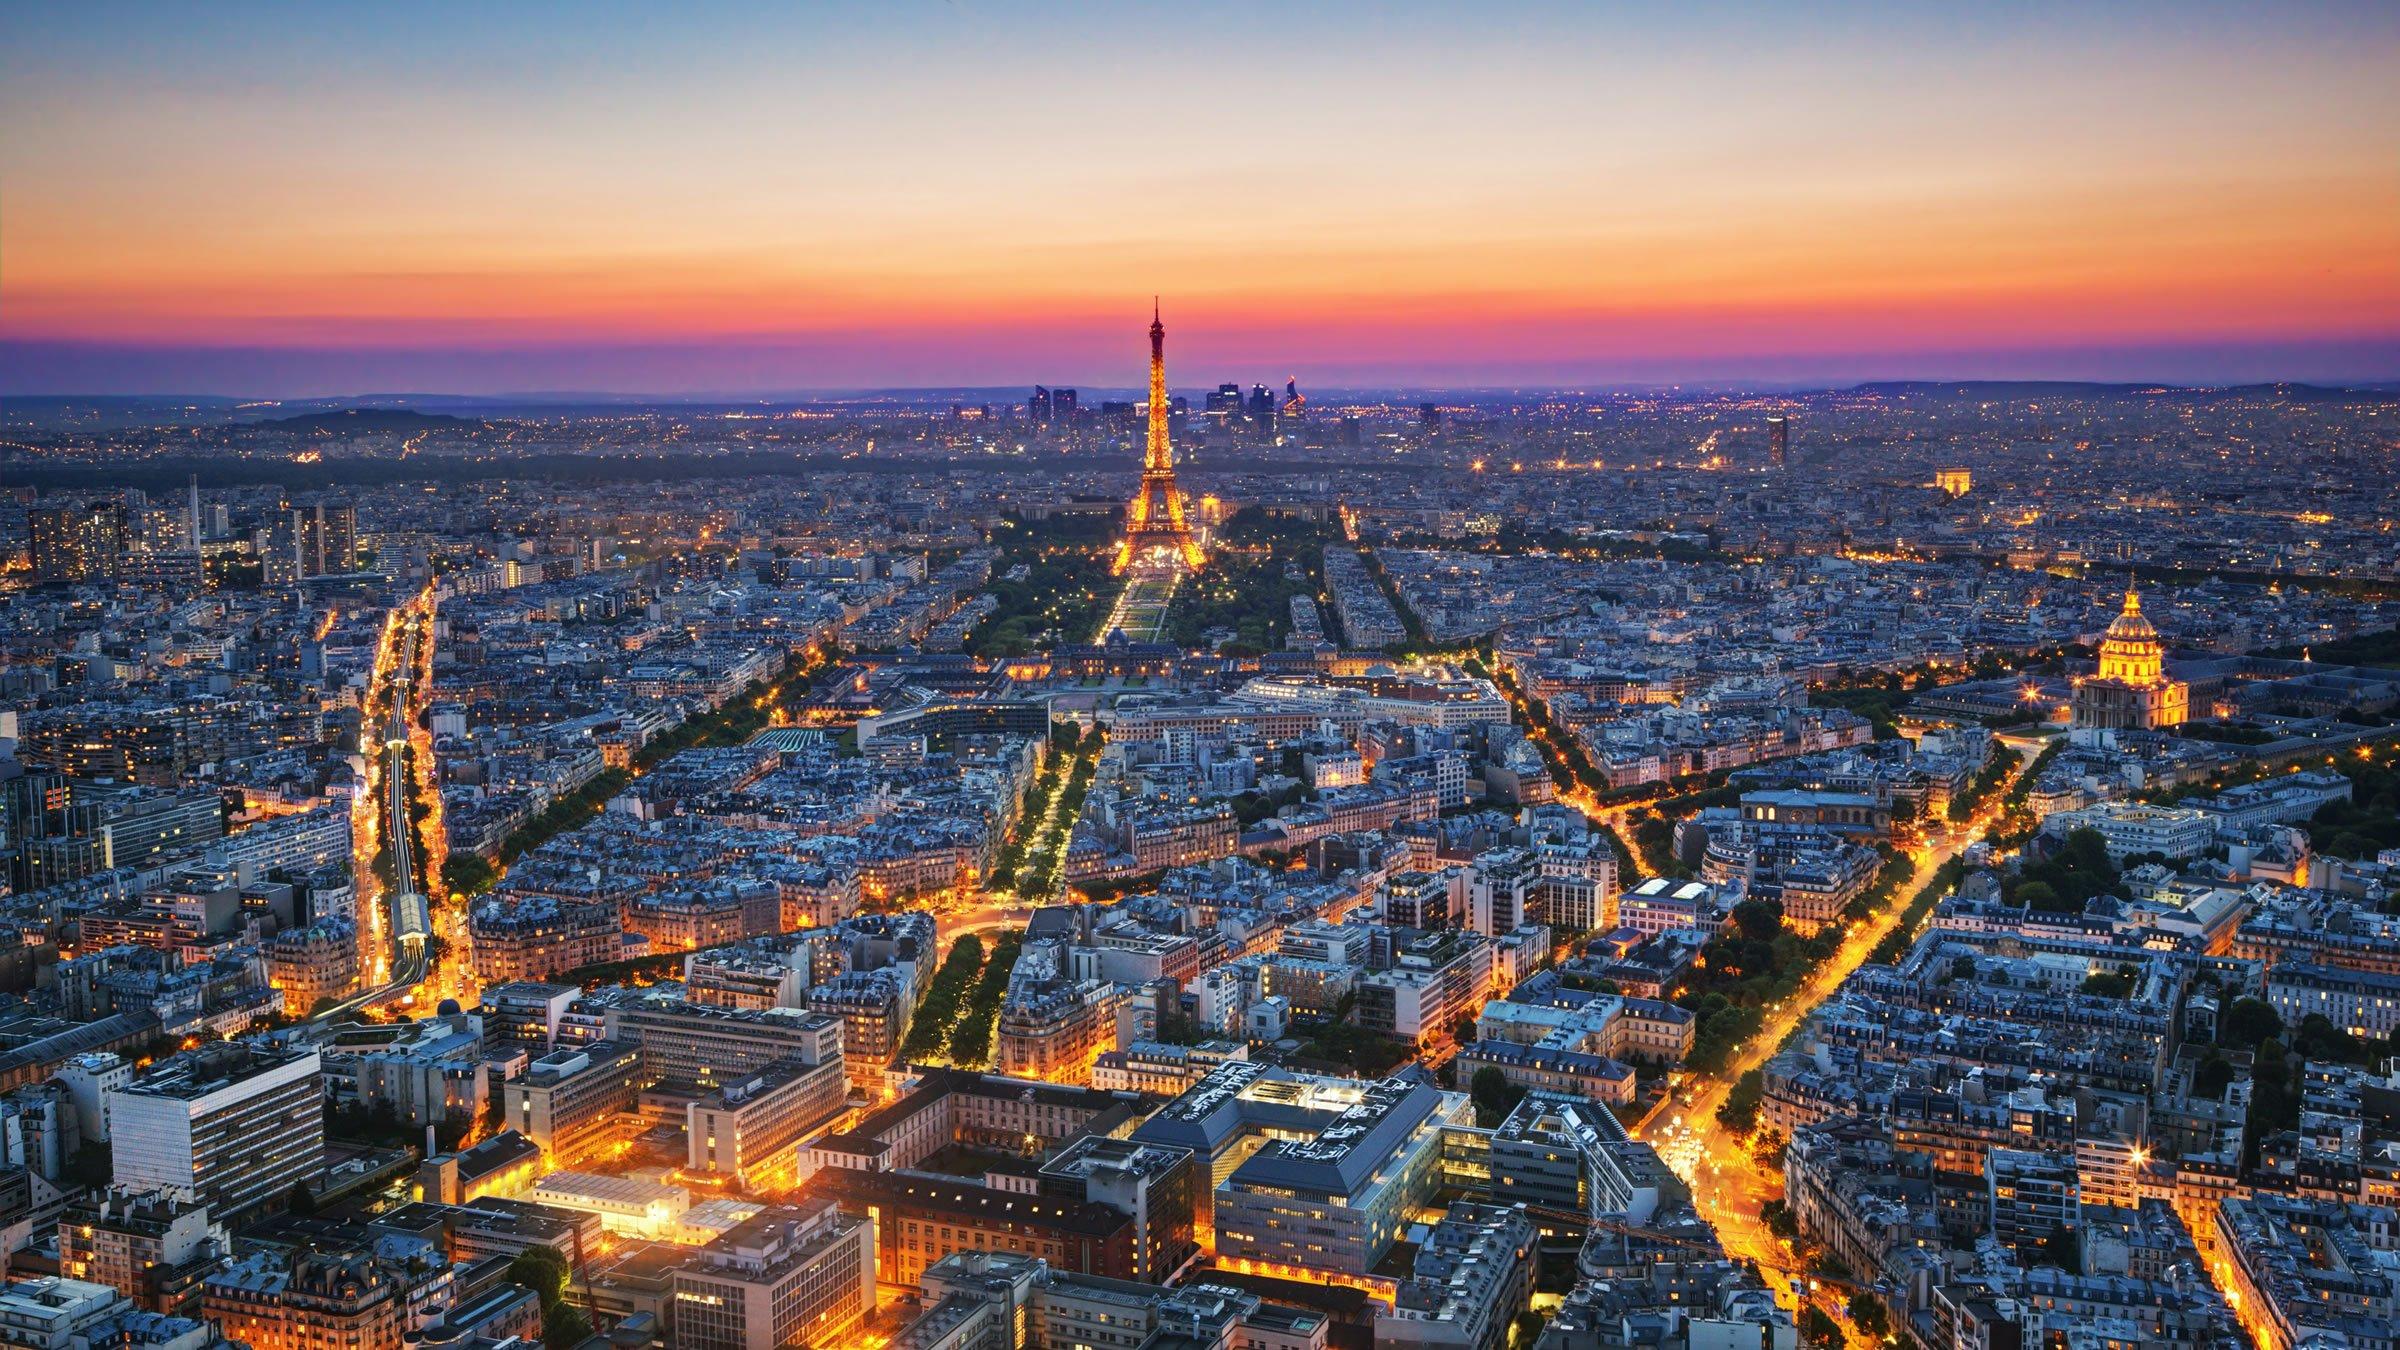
[[1740, 690], [939, 197]]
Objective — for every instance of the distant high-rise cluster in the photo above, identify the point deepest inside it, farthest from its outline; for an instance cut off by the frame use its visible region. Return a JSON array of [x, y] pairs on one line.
[[1051, 407]]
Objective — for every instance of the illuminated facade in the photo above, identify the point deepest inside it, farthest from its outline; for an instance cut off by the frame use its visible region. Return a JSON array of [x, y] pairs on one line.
[[787, 1276], [2131, 691], [317, 1299], [80, 544], [1155, 529]]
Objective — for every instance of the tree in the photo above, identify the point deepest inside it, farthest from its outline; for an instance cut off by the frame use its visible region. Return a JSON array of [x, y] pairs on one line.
[[565, 1327], [1740, 1111], [542, 1270], [299, 1201], [1867, 1311], [2063, 1249], [2214, 1075], [1820, 1330], [1777, 1216], [2108, 984], [1759, 920], [1490, 1090], [2248, 1022], [1462, 1031]]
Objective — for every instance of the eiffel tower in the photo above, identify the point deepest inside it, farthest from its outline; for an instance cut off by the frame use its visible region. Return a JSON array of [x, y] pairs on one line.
[[1156, 533]]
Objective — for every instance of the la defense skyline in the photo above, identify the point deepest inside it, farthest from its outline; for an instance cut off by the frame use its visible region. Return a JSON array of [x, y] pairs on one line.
[[470, 372]]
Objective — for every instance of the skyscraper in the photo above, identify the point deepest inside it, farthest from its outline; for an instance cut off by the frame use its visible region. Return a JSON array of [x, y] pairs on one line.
[[312, 541], [1155, 529], [1779, 439], [77, 543], [231, 1126]]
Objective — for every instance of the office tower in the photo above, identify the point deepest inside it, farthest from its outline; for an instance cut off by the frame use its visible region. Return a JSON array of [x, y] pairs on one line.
[[1429, 416], [1155, 529], [748, 1130], [921, 1217], [571, 1101], [1062, 406], [95, 827], [1350, 432], [1779, 440], [335, 539], [784, 1276], [1316, 1172], [77, 544], [312, 541], [157, 531], [1262, 407], [701, 1045], [1158, 1185], [191, 516], [1038, 407], [2033, 1198], [232, 1126], [1227, 398]]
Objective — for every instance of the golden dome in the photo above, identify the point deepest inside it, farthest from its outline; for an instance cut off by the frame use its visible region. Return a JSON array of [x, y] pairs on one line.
[[2132, 653], [2130, 626]]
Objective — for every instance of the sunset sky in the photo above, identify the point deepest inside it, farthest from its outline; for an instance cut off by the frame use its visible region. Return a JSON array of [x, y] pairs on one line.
[[312, 199]]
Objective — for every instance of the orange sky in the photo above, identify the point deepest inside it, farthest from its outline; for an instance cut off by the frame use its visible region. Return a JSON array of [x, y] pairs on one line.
[[889, 194]]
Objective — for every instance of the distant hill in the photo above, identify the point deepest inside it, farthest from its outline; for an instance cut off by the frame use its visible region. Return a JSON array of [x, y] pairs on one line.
[[352, 421], [2012, 389]]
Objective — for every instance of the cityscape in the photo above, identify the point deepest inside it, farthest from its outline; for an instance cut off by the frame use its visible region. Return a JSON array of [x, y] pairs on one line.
[[1126, 832]]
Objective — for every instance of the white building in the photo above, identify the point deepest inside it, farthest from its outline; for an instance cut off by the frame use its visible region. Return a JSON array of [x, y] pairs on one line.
[[231, 1126]]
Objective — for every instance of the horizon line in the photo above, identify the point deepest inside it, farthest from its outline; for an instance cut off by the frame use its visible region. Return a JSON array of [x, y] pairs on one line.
[[2381, 384]]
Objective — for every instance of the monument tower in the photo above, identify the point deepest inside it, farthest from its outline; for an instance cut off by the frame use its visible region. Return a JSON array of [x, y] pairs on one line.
[[1156, 532]]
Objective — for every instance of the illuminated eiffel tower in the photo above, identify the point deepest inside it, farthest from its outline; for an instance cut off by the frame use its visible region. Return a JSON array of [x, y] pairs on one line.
[[1156, 533]]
